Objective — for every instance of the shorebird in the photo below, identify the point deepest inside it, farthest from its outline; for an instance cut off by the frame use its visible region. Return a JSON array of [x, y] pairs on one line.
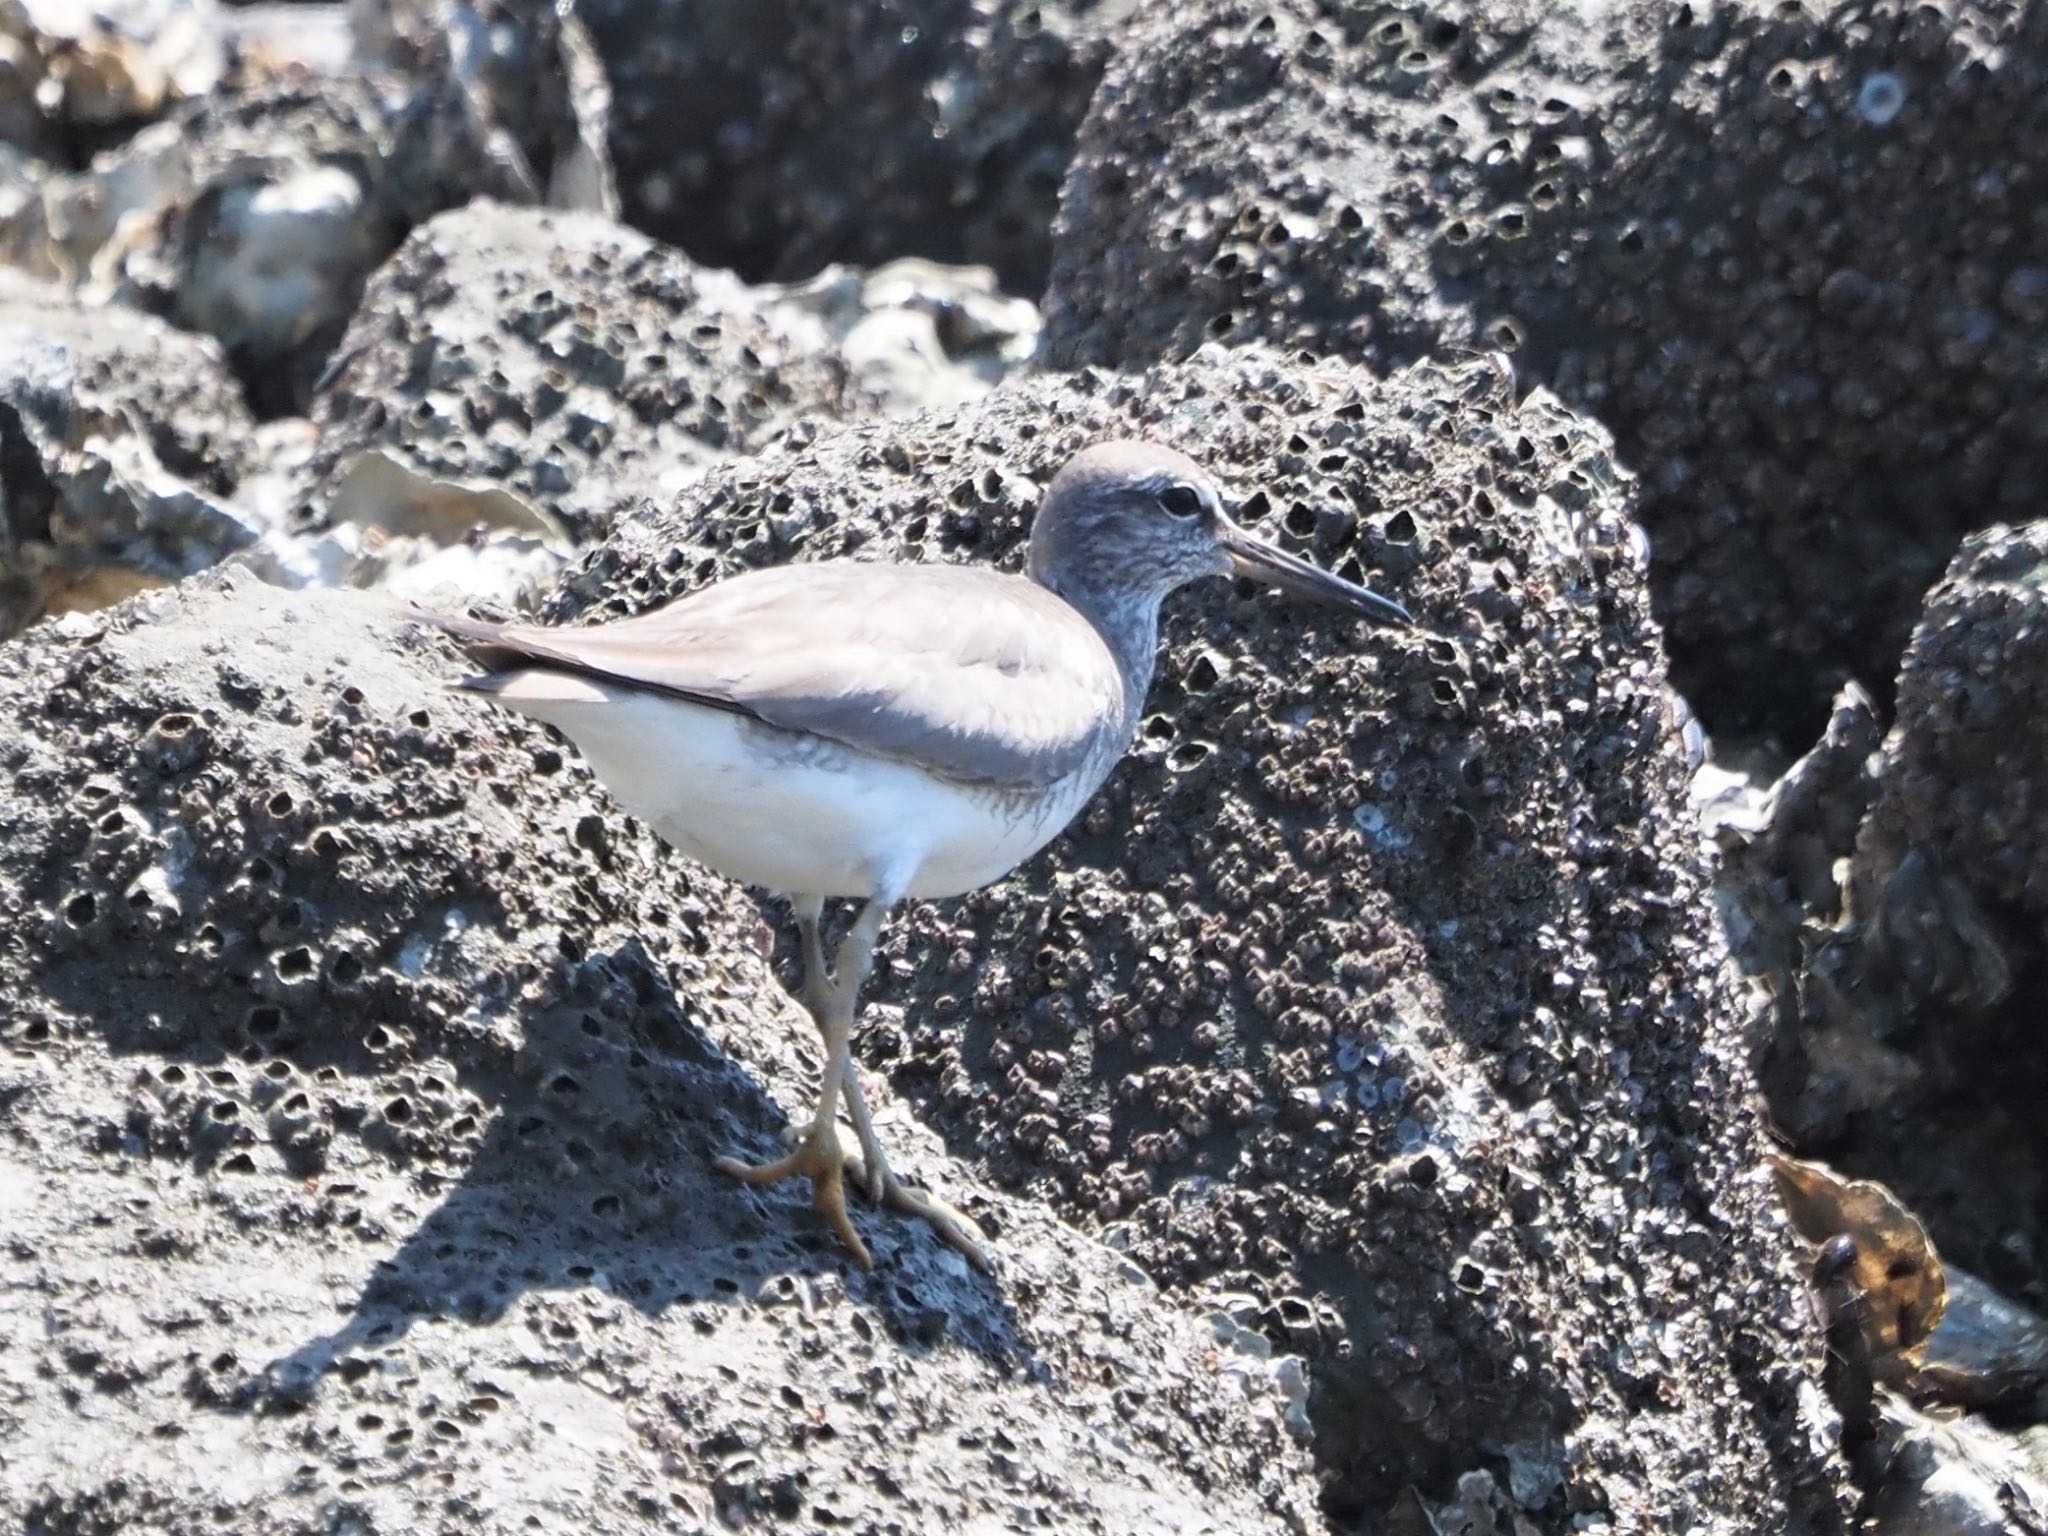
[[879, 732]]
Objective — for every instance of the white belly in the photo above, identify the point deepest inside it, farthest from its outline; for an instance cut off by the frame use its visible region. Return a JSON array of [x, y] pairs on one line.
[[795, 815]]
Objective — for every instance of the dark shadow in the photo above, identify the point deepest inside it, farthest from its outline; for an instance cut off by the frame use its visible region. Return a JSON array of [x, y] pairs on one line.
[[605, 1109]]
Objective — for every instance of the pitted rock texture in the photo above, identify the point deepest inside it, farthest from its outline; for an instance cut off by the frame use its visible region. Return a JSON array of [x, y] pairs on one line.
[[567, 357], [1948, 902], [1382, 984], [361, 1071], [252, 215], [1965, 770], [1786, 253], [777, 136], [117, 433]]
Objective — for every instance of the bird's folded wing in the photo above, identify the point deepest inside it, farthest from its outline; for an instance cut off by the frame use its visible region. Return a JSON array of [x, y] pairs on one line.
[[977, 676]]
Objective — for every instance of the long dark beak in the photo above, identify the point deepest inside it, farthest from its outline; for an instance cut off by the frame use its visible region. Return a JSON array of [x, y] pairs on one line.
[[1254, 557]]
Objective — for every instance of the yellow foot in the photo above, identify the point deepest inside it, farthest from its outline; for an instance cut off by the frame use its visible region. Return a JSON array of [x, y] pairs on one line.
[[821, 1161], [956, 1229]]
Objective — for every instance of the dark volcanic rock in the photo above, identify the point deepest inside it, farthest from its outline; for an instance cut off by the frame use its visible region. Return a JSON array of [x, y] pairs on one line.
[[778, 135], [360, 1074], [1964, 777], [118, 438], [564, 356], [1788, 254], [1382, 985], [1948, 912]]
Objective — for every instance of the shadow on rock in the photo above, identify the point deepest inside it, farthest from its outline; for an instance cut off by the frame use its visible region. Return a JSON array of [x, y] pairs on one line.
[[364, 1071], [555, 1197]]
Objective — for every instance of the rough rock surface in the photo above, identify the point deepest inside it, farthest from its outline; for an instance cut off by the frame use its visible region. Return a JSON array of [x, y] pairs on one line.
[[1964, 776], [777, 136], [1382, 986], [1786, 253], [253, 216], [358, 1078], [1948, 911], [566, 357], [256, 213], [118, 437]]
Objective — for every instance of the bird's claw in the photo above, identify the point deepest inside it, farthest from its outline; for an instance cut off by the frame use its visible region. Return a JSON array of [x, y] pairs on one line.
[[821, 1161], [953, 1227]]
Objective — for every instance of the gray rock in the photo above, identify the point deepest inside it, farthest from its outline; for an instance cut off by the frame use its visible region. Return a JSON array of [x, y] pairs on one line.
[[1957, 1478], [777, 136], [1989, 1352], [1964, 775], [916, 333], [252, 215], [566, 357], [122, 441], [361, 1071], [1382, 985], [1787, 256], [1946, 929]]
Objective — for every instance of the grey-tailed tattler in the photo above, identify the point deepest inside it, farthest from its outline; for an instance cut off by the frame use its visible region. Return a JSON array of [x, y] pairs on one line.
[[877, 732]]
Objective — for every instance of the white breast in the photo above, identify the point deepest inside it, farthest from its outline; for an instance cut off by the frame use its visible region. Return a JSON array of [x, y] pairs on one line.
[[790, 813]]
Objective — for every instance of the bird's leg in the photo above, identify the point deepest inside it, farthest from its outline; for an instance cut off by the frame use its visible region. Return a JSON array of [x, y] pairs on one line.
[[809, 912], [818, 1156], [872, 1173], [954, 1227], [871, 1169], [834, 1001]]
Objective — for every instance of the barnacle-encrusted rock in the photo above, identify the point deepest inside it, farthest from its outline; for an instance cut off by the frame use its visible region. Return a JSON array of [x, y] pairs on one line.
[[1946, 932], [251, 215], [566, 357], [120, 441], [362, 1070], [255, 214], [780, 135], [1964, 775], [1786, 253], [1381, 988]]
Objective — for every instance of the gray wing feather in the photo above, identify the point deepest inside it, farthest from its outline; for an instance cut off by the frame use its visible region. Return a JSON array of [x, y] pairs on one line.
[[978, 676]]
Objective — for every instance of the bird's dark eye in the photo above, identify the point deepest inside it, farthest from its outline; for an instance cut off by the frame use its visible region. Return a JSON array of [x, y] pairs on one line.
[[1181, 500]]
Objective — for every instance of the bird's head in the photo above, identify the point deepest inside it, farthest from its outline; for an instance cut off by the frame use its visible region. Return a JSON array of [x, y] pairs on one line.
[[1140, 517]]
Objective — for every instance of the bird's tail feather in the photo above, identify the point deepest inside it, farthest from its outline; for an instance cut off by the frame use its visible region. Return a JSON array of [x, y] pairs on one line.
[[474, 631]]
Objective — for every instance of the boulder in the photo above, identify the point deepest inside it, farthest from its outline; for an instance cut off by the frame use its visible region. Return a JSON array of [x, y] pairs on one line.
[[563, 357], [1380, 992], [1788, 257], [1943, 942], [775, 136], [252, 215], [362, 1070], [121, 441]]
